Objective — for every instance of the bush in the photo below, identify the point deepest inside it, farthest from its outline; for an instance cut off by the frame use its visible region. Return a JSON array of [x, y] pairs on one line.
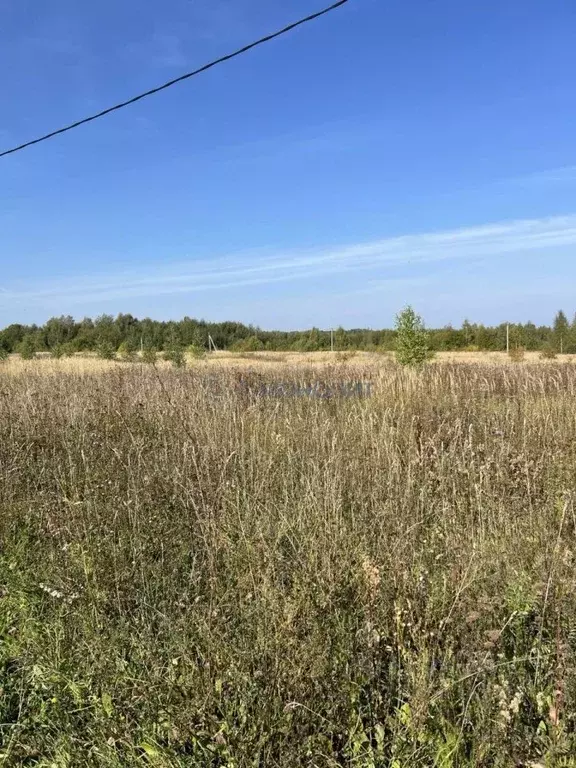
[[548, 352], [126, 353], [149, 355], [517, 354], [196, 352], [3, 353], [68, 349], [343, 357], [105, 351], [176, 357], [412, 339], [56, 351], [250, 344], [27, 348]]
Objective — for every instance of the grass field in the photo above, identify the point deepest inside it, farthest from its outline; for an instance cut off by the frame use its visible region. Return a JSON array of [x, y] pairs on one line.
[[195, 575], [90, 363]]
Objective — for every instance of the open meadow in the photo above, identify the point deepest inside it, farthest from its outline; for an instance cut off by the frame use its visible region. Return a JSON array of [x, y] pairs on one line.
[[254, 562]]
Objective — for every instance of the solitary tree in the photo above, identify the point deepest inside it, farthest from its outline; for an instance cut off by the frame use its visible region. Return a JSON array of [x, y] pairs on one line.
[[561, 329], [412, 339]]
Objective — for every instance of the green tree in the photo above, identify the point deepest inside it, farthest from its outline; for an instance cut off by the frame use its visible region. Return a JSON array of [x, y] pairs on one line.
[[106, 332], [196, 352], [27, 348], [313, 341], [446, 338], [468, 333], [483, 338], [11, 336], [412, 339], [530, 336], [125, 353], [561, 330], [251, 344], [58, 330], [68, 349], [340, 338], [571, 345], [105, 350], [149, 355], [176, 356], [86, 335]]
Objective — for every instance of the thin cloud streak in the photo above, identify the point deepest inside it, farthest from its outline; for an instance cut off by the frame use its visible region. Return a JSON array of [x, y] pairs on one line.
[[242, 270]]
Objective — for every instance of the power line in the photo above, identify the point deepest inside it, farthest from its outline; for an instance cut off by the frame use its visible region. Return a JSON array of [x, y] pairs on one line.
[[176, 80]]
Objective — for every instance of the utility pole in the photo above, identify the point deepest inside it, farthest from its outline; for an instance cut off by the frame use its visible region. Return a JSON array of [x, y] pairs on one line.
[[211, 346]]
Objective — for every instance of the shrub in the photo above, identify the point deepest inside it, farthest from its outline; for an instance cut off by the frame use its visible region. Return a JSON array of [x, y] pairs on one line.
[[105, 351], [343, 357], [517, 354], [68, 349], [548, 352], [27, 348], [126, 353], [3, 353], [196, 352], [149, 355], [250, 344], [56, 351], [176, 356], [412, 339]]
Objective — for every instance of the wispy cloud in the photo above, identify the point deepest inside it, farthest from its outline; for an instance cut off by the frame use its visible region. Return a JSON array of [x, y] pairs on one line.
[[373, 259]]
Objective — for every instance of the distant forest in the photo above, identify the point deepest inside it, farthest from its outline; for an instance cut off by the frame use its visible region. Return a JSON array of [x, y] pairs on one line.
[[69, 336]]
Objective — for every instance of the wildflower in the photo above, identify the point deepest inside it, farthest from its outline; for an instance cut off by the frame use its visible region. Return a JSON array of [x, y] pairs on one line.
[[515, 703], [372, 577], [55, 593]]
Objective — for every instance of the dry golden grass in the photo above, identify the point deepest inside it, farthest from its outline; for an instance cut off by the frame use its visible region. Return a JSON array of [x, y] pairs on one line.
[[89, 363], [195, 574]]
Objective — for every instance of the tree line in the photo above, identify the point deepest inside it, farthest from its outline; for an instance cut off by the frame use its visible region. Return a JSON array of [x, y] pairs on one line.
[[106, 334]]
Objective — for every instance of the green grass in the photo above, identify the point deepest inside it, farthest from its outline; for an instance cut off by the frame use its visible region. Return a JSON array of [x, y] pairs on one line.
[[198, 577]]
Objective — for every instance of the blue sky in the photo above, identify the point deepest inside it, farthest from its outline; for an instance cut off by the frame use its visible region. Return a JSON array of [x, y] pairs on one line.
[[391, 152]]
